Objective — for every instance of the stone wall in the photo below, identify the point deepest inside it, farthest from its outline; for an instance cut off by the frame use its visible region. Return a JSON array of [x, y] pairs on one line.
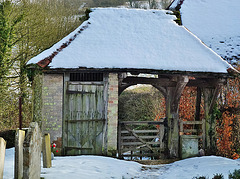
[[112, 114], [52, 101]]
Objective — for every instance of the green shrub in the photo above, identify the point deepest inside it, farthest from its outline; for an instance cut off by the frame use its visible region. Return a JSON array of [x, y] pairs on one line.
[[235, 174], [140, 104], [201, 177], [9, 137], [218, 176]]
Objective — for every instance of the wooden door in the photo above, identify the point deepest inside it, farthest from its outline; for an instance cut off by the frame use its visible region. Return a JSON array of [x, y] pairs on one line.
[[84, 118]]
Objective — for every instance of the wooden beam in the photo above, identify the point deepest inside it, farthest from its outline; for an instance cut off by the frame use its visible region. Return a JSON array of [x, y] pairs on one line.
[[143, 122], [163, 90], [122, 87], [167, 82], [142, 80]]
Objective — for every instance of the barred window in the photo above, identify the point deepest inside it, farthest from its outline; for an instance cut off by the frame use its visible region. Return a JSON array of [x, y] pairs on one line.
[[86, 77]]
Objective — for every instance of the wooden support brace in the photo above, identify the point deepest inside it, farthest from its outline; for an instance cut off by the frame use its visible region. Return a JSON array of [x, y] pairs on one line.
[[214, 98]]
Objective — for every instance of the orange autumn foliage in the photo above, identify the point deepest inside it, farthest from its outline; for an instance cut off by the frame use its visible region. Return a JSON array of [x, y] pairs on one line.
[[224, 130], [229, 124]]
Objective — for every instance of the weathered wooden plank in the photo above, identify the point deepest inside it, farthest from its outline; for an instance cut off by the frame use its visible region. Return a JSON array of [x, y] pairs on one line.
[[142, 122], [85, 120], [192, 122], [204, 134], [141, 143], [140, 131], [143, 137], [192, 130], [85, 83], [78, 92], [198, 104], [144, 80], [85, 117], [135, 135]]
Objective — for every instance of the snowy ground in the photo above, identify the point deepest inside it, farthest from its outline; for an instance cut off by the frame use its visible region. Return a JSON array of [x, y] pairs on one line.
[[96, 167]]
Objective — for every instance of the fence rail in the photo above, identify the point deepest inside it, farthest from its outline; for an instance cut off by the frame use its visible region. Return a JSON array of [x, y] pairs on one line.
[[142, 138], [194, 128]]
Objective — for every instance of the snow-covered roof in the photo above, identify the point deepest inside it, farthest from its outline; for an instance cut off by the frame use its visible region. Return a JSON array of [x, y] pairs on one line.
[[133, 39], [216, 23]]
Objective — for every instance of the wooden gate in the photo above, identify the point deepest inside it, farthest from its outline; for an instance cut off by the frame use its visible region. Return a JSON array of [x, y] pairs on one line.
[[138, 139], [84, 118]]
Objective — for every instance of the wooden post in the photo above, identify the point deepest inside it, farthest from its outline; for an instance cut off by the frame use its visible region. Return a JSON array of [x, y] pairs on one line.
[[172, 105], [20, 112], [47, 162], [18, 166], [2, 155], [203, 133], [119, 141], [198, 104], [210, 96]]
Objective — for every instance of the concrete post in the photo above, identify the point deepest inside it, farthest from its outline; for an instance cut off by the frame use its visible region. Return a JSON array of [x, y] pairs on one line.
[[18, 168], [2, 155], [47, 162]]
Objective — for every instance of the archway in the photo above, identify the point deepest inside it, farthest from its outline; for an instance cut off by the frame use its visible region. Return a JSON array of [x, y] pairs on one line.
[[142, 123]]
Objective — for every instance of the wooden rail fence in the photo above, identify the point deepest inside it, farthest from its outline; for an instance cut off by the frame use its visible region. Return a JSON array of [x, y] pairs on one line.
[[194, 128], [142, 138]]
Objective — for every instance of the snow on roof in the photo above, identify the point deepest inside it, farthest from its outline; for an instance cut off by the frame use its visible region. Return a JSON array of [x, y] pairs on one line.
[[133, 38], [216, 23]]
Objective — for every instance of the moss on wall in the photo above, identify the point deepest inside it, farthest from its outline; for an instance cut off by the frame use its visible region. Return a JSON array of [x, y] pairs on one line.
[[37, 98]]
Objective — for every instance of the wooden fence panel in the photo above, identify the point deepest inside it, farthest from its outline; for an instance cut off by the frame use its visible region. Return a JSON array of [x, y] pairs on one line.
[[142, 138]]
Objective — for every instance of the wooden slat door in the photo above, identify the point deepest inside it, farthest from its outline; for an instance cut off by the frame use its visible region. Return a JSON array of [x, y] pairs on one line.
[[84, 118]]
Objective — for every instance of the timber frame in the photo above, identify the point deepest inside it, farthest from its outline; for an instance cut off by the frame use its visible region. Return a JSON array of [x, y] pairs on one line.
[[171, 86]]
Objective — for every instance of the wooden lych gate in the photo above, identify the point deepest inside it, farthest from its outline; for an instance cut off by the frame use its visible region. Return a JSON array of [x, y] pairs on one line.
[[138, 139]]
